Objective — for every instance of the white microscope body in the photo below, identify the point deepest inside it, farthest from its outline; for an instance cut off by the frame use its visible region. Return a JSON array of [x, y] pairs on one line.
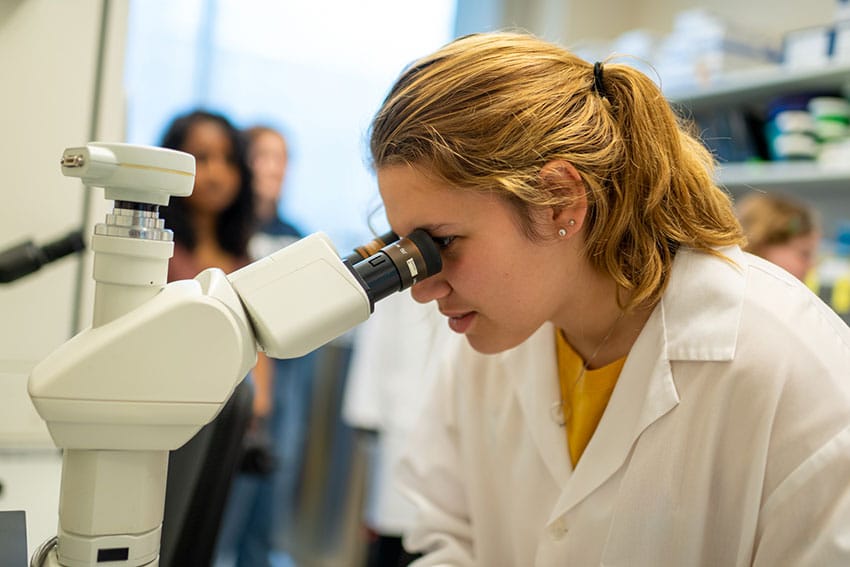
[[160, 361]]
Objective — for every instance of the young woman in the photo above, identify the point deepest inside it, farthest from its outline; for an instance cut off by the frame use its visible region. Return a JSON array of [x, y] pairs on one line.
[[212, 227], [633, 390]]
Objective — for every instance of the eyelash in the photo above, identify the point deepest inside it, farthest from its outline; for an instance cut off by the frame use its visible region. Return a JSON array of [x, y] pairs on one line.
[[443, 241]]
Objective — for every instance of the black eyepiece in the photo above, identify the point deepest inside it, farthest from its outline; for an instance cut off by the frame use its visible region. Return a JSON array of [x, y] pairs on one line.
[[27, 257], [366, 250], [397, 265]]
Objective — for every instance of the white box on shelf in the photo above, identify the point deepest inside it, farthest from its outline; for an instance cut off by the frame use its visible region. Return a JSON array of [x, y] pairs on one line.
[[807, 47]]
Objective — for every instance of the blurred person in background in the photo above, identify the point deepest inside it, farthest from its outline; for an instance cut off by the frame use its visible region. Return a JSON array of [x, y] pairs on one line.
[[212, 228], [276, 502], [780, 229], [268, 157]]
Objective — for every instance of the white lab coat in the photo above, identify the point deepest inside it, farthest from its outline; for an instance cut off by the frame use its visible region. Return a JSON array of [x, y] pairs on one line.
[[392, 367], [726, 440]]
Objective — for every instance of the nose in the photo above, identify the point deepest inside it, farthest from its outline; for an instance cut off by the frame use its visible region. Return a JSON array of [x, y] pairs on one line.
[[430, 289], [220, 165]]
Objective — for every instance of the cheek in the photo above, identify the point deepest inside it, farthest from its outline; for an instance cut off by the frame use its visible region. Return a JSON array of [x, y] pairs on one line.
[[787, 258], [232, 177], [201, 176], [465, 273], [490, 283], [228, 184]]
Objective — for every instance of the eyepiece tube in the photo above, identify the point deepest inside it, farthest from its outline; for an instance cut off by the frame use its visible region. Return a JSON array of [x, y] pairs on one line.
[[371, 247], [399, 265], [27, 257]]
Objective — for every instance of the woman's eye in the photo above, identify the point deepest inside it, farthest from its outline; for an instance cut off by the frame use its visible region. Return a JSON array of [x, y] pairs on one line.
[[443, 241]]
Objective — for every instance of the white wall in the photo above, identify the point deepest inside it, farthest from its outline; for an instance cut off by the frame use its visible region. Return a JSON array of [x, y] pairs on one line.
[[572, 21], [48, 53], [768, 15], [564, 21]]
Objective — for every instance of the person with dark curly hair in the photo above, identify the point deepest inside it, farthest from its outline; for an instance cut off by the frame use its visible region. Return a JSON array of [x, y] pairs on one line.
[[212, 227]]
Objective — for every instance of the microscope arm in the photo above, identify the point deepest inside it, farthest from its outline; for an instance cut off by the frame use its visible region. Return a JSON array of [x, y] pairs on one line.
[[151, 378]]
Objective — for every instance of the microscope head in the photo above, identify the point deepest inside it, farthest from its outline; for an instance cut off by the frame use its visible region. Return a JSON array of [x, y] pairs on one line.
[[132, 173]]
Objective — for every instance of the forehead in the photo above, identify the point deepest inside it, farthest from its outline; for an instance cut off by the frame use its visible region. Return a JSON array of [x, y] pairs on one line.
[[269, 141], [415, 198], [810, 240], [207, 133]]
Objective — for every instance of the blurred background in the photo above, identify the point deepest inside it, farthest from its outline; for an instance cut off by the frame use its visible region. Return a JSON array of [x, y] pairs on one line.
[[765, 83]]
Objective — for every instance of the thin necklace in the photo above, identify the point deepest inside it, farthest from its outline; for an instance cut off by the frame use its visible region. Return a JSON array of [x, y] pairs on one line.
[[560, 413]]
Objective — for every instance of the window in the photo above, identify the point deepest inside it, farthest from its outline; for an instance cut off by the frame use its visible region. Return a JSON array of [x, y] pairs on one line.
[[318, 70]]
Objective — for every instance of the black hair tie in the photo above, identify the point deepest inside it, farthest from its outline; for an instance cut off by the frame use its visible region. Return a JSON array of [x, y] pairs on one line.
[[598, 86]]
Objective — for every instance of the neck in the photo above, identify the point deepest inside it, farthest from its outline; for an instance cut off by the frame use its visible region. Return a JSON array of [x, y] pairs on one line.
[[266, 210], [205, 227], [596, 326]]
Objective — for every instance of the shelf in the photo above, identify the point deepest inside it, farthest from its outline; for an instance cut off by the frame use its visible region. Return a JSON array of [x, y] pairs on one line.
[[761, 84], [810, 178], [825, 187]]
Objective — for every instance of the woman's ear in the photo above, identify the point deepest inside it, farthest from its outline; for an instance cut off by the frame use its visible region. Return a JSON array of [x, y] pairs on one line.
[[563, 181]]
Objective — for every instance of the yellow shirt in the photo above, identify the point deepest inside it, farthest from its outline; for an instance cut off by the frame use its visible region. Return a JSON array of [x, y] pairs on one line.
[[584, 398]]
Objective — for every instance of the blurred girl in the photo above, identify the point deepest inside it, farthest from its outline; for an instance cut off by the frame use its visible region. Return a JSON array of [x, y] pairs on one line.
[[781, 230], [212, 228]]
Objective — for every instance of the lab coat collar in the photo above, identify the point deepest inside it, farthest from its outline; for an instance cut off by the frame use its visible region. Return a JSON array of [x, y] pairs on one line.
[[644, 392], [680, 328], [693, 332], [537, 391]]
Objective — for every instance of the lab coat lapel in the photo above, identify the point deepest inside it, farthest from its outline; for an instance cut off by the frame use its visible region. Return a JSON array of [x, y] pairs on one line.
[[537, 391], [645, 376], [680, 328]]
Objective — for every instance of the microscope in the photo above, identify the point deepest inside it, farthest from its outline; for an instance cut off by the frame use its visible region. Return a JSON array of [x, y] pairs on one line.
[[161, 360]]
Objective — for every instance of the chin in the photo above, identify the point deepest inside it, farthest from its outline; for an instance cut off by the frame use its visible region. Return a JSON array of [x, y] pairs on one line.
[[492, 345]]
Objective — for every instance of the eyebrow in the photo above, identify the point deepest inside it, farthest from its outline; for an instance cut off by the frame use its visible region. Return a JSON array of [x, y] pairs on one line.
[[429, 228]]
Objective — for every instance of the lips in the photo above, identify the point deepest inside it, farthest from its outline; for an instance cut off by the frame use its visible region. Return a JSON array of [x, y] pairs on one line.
[[460, 322]]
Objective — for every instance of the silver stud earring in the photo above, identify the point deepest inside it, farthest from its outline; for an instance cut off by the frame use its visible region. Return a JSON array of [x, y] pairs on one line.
[[562, 232], [572, 222]]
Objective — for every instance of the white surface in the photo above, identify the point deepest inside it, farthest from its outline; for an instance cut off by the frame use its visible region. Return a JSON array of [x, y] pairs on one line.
[[128, 272], [111, 499], [50, 48]]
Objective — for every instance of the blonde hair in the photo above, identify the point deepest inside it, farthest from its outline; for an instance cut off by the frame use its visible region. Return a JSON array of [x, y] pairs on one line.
[[771, 218], [488, 111]]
